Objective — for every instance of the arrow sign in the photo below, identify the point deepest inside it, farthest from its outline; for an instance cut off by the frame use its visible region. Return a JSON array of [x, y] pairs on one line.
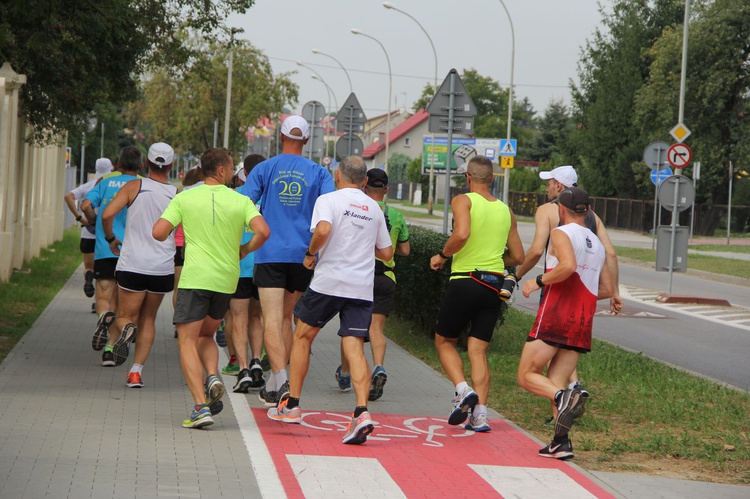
[[659, 176], [463, 106], [679, 155]]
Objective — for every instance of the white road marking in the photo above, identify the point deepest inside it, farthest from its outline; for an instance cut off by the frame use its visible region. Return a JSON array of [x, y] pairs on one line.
[[327, 477], [531, 483]]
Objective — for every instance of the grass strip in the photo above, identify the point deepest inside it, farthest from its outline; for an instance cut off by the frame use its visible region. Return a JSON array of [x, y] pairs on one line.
[[717, 265], [643, 416], [28, 291]]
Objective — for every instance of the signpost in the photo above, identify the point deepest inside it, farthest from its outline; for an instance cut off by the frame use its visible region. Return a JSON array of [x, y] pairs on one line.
[[313, 111], [451, 110], [350, 120], [655, 157]]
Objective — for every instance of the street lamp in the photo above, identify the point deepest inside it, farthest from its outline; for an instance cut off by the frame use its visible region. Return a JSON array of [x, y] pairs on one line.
[[336, 103], [229, 84], [390, 89], [316, 51], [506, 177], [391, 6]]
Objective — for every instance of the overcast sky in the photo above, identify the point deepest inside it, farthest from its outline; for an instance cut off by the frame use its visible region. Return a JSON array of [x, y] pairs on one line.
[[467, 34]]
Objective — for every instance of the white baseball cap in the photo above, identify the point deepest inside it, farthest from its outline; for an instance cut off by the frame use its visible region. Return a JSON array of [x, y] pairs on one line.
[[566, 175], [292, 122], [161, 154], [103, 167]]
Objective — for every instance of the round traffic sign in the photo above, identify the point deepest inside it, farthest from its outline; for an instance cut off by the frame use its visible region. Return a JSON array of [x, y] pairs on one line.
[[657, 177], [685, 193], [655, 155], [326, 161], [679, 155]]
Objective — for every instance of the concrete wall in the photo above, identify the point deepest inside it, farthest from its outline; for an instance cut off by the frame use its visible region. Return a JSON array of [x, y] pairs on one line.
[[32, 182]]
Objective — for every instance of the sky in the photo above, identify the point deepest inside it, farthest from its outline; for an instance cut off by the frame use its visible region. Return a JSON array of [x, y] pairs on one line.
[[549, 36]]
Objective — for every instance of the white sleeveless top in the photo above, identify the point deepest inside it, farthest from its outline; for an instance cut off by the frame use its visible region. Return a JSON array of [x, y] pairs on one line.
[[140, 252]]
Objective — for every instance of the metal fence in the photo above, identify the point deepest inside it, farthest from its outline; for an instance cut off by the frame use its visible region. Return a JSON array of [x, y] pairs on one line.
[[638, 215]]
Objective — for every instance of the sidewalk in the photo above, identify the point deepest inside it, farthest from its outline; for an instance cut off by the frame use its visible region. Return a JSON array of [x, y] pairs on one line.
[[72, 429]]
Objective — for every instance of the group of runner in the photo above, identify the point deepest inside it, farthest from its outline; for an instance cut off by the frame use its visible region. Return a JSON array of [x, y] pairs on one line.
[[322, 249]]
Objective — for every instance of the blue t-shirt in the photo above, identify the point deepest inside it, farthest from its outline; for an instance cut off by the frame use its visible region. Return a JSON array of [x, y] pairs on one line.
[[247, 263], [289, 185], [100, 196]]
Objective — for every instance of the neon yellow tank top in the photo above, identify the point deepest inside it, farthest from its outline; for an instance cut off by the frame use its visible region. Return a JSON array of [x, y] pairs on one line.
[[490, 225]]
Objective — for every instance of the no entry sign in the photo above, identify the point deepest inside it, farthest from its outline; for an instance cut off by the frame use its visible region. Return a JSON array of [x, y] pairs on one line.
[[679, 155]]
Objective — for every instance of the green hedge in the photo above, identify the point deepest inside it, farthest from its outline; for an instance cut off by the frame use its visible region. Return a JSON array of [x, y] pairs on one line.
[[419, 289]]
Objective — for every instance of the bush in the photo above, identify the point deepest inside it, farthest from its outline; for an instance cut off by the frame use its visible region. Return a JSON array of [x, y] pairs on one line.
[[420, 290]]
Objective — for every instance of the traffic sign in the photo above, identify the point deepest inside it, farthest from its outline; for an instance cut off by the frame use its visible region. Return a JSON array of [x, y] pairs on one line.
[[506, 161], [685, 194], [463, 106], [313, 111], [680, 132], [351, 118], [655, 155], [343, 146], [508, 147], [326, 161], [679, 155], [462, 124], [659, 176]]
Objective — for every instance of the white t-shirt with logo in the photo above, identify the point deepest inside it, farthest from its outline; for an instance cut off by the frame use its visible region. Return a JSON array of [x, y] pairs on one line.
[[346, 262]]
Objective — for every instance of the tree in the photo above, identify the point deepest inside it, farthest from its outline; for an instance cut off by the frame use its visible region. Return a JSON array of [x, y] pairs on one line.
[[77, 55], [397, 166], [553, 134], [180, 107], [717, 103], [608, 142]]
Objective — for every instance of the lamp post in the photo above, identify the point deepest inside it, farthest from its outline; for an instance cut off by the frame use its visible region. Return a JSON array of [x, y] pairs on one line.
[[390, 89], [316, 51], [391, 6], [336, 103], [229, 84], [506, 177]]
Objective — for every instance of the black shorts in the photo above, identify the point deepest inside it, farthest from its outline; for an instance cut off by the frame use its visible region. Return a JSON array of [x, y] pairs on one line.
[[246, 289], [383, 293], [562, 346], [104, 268], [140, 283], [290, 276], [179, 256], [196, 304], [317, 309], [87, 245], [466, 300]]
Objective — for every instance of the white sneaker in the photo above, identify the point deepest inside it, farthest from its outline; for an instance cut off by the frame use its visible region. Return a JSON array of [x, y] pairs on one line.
[[462, 404], [478, 423]]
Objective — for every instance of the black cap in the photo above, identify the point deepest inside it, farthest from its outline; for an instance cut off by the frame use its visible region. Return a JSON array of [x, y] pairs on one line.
[[575, 199], [377, 178]]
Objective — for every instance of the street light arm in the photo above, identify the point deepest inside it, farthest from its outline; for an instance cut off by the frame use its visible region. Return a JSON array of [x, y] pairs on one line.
[[390, 6], [506, 178], [316, 51]]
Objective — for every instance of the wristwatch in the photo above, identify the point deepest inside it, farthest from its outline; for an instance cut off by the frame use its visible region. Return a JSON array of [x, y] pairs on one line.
[[307, 252], [78, 218], [109, 239], [442, 255], [539, 281]]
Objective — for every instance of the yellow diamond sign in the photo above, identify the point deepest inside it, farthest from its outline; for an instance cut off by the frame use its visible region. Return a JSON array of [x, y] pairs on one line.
[[680, 132]]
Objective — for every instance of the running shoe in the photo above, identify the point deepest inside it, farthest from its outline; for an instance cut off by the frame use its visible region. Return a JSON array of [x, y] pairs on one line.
[[221, 338], [271, 398], [584, 395], [344, 380], [478, 423], [358, 429], [122, 345], [214, 389], [108, 359], [232, 368], [256, 373], [379, 378], [462, 404], [558, 451], [101, 333], [571, 403], [134, 380], [216, 407], [200, 417], [283, 414], [88, 285], [244, 382], [265, 363]]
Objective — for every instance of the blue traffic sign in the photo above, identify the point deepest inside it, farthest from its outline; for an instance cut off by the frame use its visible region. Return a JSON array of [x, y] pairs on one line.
[[508, 147], [657, 177]]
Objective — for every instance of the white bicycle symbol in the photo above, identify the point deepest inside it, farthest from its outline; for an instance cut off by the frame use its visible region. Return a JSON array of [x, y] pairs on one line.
[[413, 427]]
